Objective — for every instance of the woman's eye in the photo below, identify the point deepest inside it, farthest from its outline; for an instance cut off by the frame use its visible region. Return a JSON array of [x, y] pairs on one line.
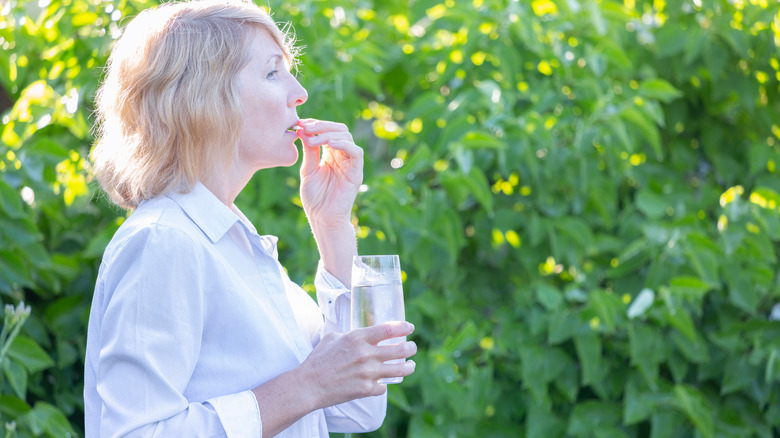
[[271, 74]]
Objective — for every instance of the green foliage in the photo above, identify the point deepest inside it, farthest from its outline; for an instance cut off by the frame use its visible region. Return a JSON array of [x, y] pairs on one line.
[[584, 195]]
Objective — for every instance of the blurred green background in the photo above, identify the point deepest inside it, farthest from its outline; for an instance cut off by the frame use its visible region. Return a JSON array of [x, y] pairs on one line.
[[584, 195]]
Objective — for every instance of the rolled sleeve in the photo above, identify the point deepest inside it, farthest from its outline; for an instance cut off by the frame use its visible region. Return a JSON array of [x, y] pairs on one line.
[[239, 414], [334, 300], [360, 415]]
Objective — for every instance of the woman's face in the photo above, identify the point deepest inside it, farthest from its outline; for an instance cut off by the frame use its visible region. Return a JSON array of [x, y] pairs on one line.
[[270, 95]]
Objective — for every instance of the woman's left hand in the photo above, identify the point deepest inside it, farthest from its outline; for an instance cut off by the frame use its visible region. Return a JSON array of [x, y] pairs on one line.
[[329, 179]]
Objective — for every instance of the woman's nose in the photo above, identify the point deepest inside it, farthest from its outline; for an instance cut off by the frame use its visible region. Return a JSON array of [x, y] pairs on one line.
[[298, 94]]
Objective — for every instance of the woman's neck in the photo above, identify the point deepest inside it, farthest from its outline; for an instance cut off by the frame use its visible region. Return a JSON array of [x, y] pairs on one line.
[[227, 184]]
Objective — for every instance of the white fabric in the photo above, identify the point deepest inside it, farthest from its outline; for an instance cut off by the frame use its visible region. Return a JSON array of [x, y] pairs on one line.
[[191, 311]]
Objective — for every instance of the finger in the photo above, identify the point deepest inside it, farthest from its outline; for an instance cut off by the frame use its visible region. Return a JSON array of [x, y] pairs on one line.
[[314, 126], [347, 147], [321, 139], [377, 389], [401, 350], [387, 330], [402, 369]]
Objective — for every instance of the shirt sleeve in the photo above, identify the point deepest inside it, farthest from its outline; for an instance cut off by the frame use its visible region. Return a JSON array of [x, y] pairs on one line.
[[334, 300], [150, 338], [361, 415]]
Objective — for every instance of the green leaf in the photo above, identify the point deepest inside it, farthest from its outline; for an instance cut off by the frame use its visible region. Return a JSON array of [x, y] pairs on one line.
[[588, 346], [651, 203], [678, 366], [694, 405], [659, 89], [97, 244], [49, 148], [694, 45], [647, 351], [589, 416], [618, 129], [610, 432], [576, 228], [481, 140], [670, 41], [607, 307], [67, 355], [16, 376], [28, 353], [418, 426], [738, 41], [64, 315], [548, 296], [738, 374], [632, 257], [21, 232], [636, 406], [681, 320], [13, 269], [480, 188], [46, 418], [397, 397], [614, 53], [693, 350], [668, 424], [647, 130], [561, 326], [742, 291], [704, 256], [13, 407], [11, 201], [539, 367], [715, 58], [772, 372], [541, 422], [465, 337], [567, 381], [690, 288], [655, 111]]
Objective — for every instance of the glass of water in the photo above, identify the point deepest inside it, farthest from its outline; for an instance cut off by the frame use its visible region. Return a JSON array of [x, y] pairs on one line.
[[377, 296]]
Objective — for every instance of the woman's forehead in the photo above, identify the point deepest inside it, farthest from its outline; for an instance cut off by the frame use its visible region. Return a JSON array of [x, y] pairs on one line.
[[263, 48]]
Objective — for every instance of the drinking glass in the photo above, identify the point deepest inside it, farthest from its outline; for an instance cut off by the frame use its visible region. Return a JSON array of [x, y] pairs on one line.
[[377, 296]]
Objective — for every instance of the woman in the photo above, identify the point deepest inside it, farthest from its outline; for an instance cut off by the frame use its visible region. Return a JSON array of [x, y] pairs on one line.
[[195, 328]]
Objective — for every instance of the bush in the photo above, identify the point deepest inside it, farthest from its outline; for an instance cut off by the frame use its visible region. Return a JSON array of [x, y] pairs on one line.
[[584, 195]]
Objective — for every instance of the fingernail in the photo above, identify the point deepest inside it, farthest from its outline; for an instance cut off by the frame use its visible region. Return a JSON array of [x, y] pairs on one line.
[[411, 326]]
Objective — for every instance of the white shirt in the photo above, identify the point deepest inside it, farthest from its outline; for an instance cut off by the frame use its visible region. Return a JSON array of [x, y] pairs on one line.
[[192, 310]]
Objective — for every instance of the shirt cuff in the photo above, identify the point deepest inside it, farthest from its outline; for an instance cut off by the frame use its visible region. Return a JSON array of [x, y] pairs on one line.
[[333, 298], [239, 414]]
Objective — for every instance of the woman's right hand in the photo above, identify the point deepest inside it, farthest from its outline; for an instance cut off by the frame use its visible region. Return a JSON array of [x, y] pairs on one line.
[[347, 366]]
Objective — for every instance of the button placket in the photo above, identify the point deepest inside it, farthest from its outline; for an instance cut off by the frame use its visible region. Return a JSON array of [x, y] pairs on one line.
[[271, 273]]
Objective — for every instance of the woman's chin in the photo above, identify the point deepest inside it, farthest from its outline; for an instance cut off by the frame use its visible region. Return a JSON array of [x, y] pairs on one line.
[[288, 161]]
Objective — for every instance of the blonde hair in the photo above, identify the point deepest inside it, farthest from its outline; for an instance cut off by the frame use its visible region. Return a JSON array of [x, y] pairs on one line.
[[168, 111]]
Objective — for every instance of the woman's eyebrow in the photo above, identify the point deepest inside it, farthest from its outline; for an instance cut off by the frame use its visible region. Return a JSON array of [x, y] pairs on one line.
[[278, 57], [273, 59]]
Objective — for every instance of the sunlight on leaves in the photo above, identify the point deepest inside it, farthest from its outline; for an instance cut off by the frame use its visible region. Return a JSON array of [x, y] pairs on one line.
[[730, 195], [544, 7]]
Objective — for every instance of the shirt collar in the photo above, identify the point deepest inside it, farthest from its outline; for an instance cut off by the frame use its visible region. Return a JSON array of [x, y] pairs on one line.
[[209, 213]]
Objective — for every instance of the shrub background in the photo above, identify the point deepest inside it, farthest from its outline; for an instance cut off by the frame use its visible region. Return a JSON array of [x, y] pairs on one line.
[[584, 195]]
